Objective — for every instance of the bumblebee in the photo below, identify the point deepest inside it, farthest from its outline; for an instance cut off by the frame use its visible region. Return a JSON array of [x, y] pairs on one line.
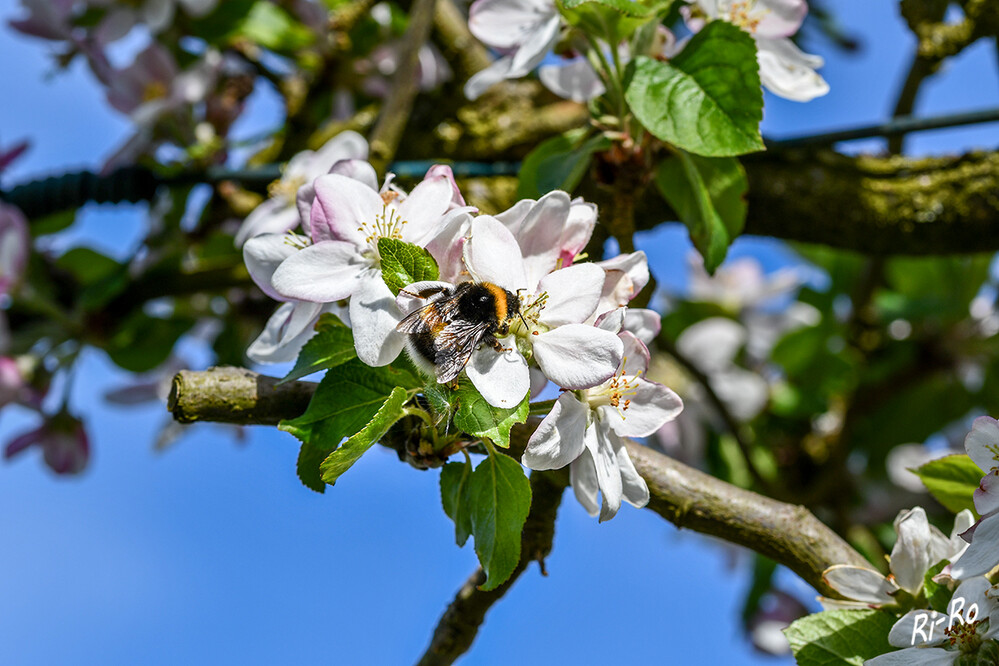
[[444, 333]]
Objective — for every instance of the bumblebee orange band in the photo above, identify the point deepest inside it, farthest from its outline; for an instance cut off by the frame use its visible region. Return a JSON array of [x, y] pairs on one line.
[[499, 293]]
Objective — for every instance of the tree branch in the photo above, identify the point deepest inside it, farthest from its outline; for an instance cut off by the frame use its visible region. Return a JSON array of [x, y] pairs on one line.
[[788, 534], [461, 621]]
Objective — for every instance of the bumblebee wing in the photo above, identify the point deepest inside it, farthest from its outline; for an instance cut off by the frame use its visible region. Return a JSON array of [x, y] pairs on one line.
[[455, 345], [427, 318]]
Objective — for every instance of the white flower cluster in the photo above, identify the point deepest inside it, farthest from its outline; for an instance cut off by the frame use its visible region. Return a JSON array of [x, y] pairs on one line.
[[982, 445], [574, 328]]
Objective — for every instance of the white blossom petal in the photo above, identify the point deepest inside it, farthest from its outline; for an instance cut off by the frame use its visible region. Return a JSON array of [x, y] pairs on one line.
[[373, 316], [504, 24], [286, 332], [324, 272], [572, 294], [262, 256], [572, 79], [583, 477], [642, 323], [987, 494], [608, 473], [914, 657], [788, 72], [558, 439], [274, 216], [911, 557], [712, 344], [424, 209], [493, 255], [652, 406], [982, 443], [502, 378], [535, 47], [983, 553], [360, 170], [860, 584], [342, 207], [635, 490], [577, 356], [486, 78], [539, 236]]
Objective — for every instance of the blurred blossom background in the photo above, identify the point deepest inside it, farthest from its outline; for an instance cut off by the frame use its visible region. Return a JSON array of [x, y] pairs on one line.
[[199, 544]]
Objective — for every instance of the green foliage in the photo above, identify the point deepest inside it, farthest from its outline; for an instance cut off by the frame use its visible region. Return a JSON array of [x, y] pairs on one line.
[[559, 163], [708, 99], [454, 483], [708, 193], [472, 414], [53, 223], [498, 497], [142, 342], [346, 400], [262, 22], [332, 345], [952, 480], [405, 263], [840, 637], [340, 460], [101, 277], [937, 595], [612, 21]]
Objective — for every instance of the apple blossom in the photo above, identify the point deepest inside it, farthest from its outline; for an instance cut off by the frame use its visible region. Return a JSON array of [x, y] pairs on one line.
[[63, 440], [347, 219], [982, 445], [785, 70], [281, 211], [585, 430], [523, 30], [919, 546]]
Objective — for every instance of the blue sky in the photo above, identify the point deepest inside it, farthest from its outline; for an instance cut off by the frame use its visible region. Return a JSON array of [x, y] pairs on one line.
[[212, 552]]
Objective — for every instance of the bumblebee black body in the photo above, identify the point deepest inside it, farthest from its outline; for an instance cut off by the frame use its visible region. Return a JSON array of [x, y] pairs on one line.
[[444, 333]]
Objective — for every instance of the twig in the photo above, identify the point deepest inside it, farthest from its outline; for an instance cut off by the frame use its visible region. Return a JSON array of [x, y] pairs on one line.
[[405, 85], [786, 533], [457, 41], [234, 395], [461, 621]]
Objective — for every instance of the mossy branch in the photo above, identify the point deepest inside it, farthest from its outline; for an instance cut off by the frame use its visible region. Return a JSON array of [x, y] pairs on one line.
[[788, 534]]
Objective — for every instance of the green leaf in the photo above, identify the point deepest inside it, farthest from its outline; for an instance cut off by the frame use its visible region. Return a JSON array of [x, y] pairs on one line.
[[142, 342], [480, 419], [937, 594], [846, 637], [613, 21], [53, 222], [454, 484], [708, 193], [404, 263], [708, 99], [87, 265], [346, 400], [332, 345], [558, 163], [499, 497], [952, 480], [343, 458], [273, 28]]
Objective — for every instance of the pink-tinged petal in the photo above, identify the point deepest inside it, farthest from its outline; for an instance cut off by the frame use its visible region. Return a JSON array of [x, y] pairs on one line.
[[534, 49], [262, 256], [359, 170], [347, 145], [13, 387], [424, 209], [642, 323], [578, 229], [502, 378], [583, 477], [488, 77], [304, 198], [505, 24], [919, 628], [636, 355], [780, 18], [444, 171], [493, 255], [373, 318], [608, 473], [448, 244], [910, 557], [788, 72], [933, 656], [860, 584], [572, 294], [652, 406], [15, 245], [23, 442], [982, 443], [274, 216], [539, 236], [635, 490], [572, 79], [558, 439], [612, 320], [323, 273], [576, 356], [983, 553], [987, 494], [342, 208], [286, 332], [66, 451]]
